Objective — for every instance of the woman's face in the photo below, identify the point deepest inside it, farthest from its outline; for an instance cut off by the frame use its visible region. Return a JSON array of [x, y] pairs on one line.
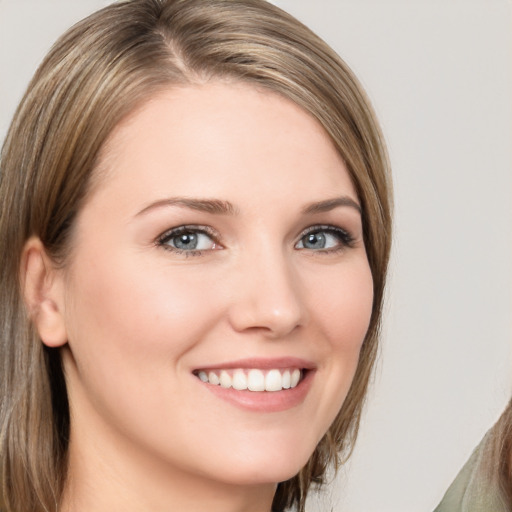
[[223, 242]]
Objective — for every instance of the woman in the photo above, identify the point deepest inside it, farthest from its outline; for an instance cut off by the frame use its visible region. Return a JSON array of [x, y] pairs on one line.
[[485, 482], [196, 216]]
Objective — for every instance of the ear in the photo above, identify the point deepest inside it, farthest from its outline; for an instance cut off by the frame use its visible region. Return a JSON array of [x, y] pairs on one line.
[[43, 291]]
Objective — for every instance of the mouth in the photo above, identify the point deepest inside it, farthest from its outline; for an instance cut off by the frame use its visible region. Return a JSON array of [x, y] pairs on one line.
[[257, 380], [263, 385]]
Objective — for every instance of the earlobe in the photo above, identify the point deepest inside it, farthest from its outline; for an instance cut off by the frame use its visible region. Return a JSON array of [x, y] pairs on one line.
[[42, 285]]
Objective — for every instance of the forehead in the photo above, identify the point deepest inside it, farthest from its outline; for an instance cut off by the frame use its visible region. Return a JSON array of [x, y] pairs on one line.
[[220, 135]]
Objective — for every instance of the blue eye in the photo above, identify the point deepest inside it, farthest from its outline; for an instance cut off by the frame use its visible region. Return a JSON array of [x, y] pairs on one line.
[[324, 238], [188, 239]]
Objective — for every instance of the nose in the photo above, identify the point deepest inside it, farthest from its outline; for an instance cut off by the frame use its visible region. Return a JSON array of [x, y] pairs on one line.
[[266, 296]]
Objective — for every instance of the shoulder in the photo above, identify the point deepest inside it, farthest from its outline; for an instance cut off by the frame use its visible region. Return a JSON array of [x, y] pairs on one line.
[[471, 490]]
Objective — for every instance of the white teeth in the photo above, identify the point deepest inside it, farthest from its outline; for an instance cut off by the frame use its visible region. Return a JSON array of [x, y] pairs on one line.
[[225, 379], [239, 380], [256, 380], [253, 380], [213, 378], [273, 381], [295, 378], [286, 380]]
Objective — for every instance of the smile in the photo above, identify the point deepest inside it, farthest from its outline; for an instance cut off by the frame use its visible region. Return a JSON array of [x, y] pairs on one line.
[[254, 379]]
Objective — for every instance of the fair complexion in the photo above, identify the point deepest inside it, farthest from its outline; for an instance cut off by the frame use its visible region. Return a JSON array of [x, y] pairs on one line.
[[222, 241]]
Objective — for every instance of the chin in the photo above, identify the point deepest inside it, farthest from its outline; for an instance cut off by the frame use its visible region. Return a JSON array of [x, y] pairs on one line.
[[272, 469], [261, 476]]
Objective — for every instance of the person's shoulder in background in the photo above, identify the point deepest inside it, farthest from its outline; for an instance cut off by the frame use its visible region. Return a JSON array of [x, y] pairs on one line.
[[474, 489]]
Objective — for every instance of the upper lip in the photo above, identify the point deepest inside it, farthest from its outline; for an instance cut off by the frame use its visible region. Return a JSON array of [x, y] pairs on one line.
[[262, 364]]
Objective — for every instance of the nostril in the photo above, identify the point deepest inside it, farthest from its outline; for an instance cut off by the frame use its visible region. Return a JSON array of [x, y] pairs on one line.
[[272, 323]]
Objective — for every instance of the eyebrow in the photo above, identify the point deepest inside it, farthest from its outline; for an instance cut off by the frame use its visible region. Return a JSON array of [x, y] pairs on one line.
[[331, 204], [215, 206], [219, 207]]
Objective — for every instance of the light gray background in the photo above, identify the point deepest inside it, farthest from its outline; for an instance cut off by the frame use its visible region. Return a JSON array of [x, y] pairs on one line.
[[440, 75]]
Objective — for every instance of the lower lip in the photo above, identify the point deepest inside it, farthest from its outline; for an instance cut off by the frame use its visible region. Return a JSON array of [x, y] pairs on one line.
[[264, 401]]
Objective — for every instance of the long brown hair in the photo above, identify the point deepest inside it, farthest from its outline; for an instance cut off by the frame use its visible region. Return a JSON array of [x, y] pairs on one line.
[[497, 460], [96, 74]]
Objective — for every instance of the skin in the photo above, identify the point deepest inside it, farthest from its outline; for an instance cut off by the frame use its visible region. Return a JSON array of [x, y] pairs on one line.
[[135, 319]]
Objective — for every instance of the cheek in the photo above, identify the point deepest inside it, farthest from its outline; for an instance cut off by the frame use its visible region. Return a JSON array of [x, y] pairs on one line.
[[344, 307], [344, 311], [341, 302], [137, 305], [126, 321], [130, 330]]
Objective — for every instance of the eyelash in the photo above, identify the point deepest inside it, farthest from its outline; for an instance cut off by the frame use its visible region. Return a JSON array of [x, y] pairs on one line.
[[346, 240], [164, 238], [344, 237]]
